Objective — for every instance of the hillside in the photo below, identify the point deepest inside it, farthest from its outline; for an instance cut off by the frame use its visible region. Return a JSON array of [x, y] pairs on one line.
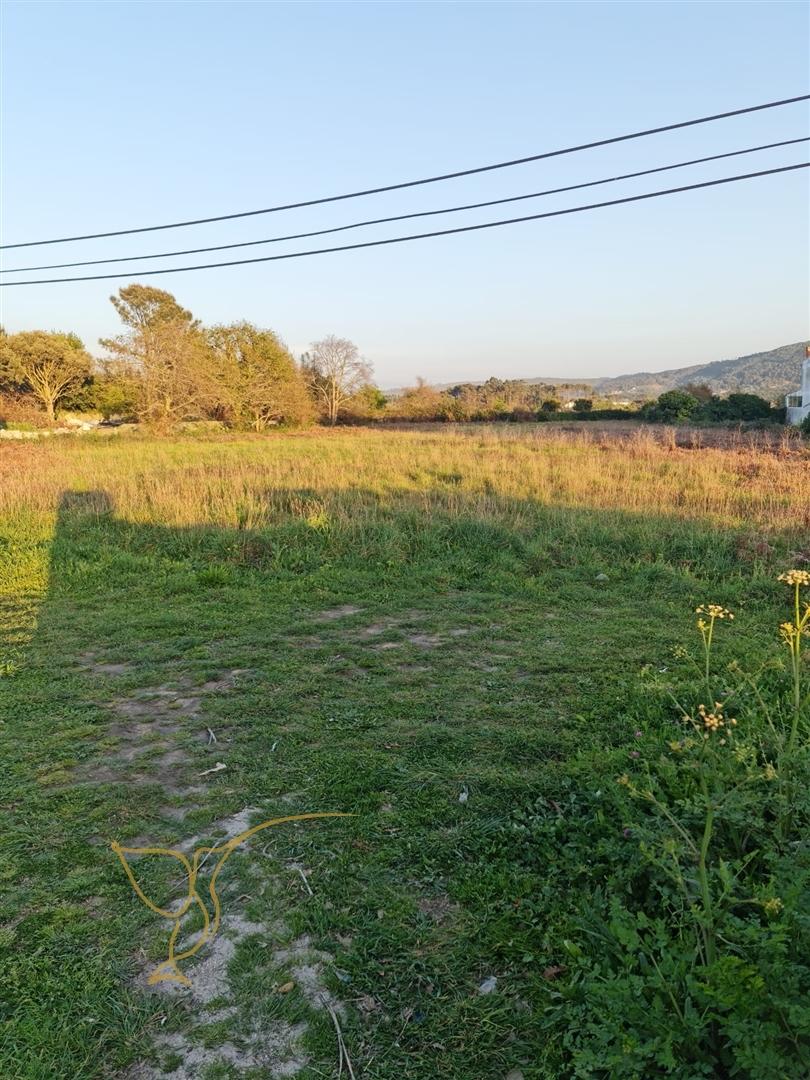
[[771, 374]]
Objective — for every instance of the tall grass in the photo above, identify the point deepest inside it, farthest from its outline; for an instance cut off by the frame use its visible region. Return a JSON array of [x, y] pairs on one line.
[[484, 472]]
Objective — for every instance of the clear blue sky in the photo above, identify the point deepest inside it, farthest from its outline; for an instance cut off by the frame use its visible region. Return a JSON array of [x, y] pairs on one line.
[[116, 115]]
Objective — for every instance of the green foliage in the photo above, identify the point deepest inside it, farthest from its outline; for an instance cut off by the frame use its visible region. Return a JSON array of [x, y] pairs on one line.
[[737, 406], [672, 406], [255, 382], [679, 405], [115, 397], [46, 365], [681, 892], [144, 308], [583, 404]]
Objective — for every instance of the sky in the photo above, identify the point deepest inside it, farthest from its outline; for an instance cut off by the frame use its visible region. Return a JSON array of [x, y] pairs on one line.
[[119, 115]]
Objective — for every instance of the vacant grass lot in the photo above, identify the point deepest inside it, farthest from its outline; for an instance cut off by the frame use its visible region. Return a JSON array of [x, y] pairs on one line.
[[433, 631]]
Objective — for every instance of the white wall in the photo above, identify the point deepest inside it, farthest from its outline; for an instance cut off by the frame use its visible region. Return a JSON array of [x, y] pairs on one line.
[[795, 414]]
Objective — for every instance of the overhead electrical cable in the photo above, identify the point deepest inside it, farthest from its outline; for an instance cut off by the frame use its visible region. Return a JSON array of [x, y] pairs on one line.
[[416, 236], [405, 217], [425, 180]]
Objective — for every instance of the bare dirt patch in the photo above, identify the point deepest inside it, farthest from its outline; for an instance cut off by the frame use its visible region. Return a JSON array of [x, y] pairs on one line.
[[145, 729], [306, 967], [90, 662], [275, 1047], [223, 830], [404, 630], [426, 641], [437, 908], [341, 612]]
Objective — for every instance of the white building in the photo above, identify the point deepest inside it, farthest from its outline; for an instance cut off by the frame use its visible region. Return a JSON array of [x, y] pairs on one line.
[[798, 404]]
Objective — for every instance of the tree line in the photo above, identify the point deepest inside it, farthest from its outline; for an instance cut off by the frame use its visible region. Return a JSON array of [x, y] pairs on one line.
[[165, 367]]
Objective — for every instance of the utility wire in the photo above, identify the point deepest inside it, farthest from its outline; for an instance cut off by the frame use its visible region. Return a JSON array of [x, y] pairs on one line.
[[418, 236], [405, 217], [425, 180]]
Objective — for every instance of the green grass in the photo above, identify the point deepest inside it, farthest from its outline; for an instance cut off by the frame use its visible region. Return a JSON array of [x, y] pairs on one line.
[[516, 641]]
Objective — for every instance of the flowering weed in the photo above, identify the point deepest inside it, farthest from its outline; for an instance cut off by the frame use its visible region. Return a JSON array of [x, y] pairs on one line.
[[689, 947]]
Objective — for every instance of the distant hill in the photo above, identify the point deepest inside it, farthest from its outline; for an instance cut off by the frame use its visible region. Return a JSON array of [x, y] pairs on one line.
[[770, 374]]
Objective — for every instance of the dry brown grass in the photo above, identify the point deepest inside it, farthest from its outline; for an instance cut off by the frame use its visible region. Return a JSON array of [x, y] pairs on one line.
[[246, 482]]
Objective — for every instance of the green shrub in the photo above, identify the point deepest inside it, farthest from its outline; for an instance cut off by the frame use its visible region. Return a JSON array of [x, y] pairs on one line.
[[672, 406], [737, 406]]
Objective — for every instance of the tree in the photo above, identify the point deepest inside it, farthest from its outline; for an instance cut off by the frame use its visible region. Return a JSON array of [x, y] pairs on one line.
[[583, 404], [45, 365], [550, 405], [164, 348], [742, 406], [673, 405], [144, 308], [335, 370], [258, 380]]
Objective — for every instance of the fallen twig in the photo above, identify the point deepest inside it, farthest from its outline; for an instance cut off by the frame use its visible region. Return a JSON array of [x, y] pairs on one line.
[[343, 1053], [220, 765], [304, 879]]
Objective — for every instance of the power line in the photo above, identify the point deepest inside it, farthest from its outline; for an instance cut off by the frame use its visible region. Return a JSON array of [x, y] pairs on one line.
[[416, 183], [405, 217], [418, 236]]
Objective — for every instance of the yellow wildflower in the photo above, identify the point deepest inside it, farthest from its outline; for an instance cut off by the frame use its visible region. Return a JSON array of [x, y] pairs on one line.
[[714, 719], [773, 906], [714, 611], [795, 577]]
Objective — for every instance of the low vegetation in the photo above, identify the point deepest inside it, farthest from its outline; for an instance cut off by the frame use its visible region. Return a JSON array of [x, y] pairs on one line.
[[565, 857]]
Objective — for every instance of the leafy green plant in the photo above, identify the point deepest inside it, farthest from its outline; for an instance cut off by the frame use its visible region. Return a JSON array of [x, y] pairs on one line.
[[688, 952]]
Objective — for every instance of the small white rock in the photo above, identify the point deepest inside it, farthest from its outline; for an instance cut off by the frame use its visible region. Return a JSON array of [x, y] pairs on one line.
[[488, 985]]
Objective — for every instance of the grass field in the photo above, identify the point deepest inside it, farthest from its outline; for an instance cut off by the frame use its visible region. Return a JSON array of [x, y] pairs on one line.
[[436, 632]]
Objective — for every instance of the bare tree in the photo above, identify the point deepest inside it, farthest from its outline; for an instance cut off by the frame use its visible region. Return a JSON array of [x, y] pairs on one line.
[[47, 365], [335, 370]]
